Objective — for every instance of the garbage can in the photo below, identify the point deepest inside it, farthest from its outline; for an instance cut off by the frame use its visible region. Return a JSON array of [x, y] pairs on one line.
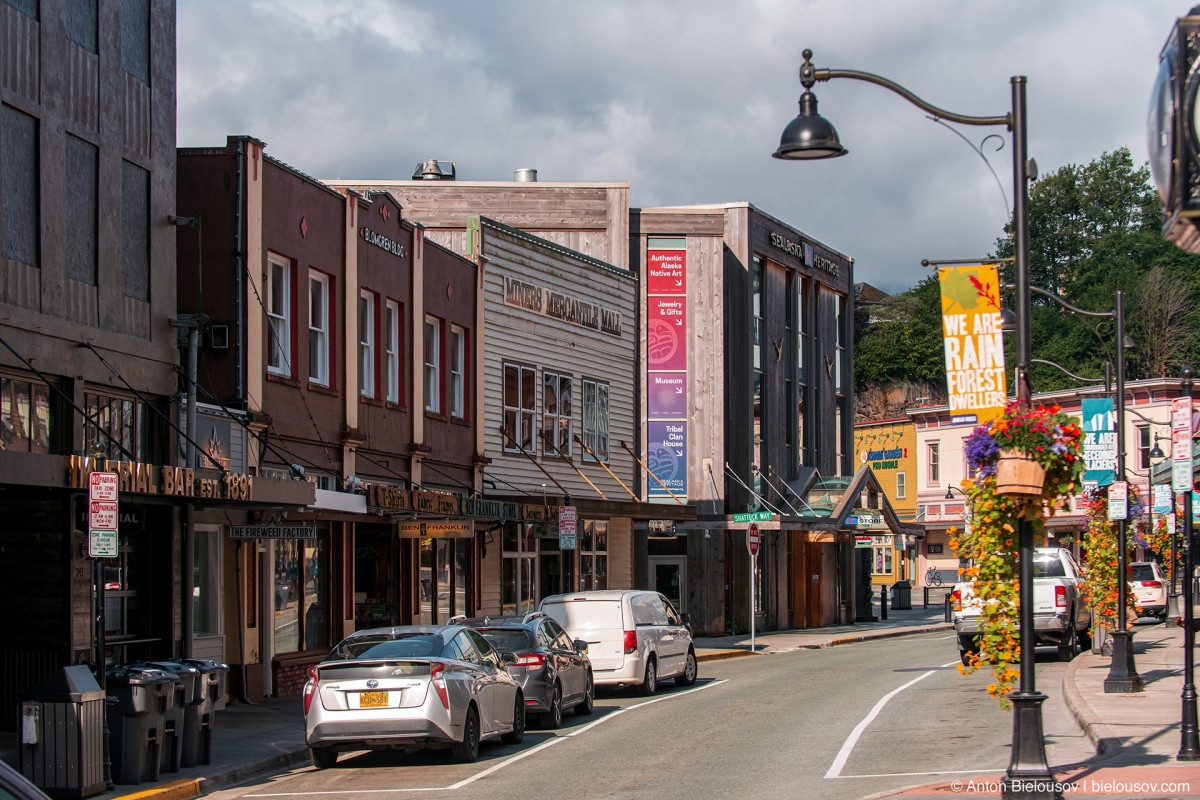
[[902, 595], [62, 734], [181, 724], [212, 696], [143, 695]]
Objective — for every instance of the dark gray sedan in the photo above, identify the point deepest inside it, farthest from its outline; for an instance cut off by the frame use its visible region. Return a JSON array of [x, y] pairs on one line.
[[554, 672]]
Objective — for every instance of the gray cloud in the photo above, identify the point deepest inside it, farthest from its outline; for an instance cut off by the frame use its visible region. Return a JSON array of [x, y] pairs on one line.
[[685, 101]]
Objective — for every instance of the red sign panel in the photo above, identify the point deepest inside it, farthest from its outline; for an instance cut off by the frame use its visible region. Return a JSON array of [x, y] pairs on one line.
[[666, 346], [752, 539]]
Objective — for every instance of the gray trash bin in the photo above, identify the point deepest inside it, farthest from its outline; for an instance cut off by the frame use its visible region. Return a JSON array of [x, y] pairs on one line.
[[212, 695], [62, 734], [143, 696], [181, 724], [902, 595]]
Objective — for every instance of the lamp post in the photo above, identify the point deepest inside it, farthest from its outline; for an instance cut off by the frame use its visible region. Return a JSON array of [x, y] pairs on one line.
[[1189, 747], [811, 136]]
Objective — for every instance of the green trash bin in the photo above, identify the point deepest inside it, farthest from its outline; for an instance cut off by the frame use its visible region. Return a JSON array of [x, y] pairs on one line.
[[902, 596], [135, 742]]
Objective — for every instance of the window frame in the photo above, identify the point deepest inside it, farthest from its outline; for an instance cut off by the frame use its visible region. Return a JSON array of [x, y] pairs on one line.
[[394, 323], [433, 364], [368, 301], [521, 412], [595, 439], [279, 320], [457, 368], [901, 485], [319, 333], [932, 465], [552, 422]]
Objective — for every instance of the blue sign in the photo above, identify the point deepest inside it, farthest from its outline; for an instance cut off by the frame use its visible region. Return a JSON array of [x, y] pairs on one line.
[[1099, 441], [666, 456]]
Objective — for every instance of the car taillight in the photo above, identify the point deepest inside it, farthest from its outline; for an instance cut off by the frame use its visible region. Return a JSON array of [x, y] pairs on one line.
[[630, 642], [439, 683], [1060, 597], [310, 688], [1151, 584], [956, 599], [530, 660]]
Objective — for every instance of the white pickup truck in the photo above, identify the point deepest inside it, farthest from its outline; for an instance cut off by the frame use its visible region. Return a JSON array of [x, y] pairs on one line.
[[1060, 615]]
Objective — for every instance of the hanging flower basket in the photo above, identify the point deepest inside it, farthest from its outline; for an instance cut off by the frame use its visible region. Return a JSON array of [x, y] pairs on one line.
[[1019, 474]]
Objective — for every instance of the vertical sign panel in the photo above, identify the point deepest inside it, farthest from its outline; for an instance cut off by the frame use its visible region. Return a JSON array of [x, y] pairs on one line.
[[1099, 441], [1181, 444], [973, 342], [666, 372]]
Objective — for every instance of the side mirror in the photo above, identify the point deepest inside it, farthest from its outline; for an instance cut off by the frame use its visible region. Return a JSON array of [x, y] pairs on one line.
[[508, 658], [580, 645]]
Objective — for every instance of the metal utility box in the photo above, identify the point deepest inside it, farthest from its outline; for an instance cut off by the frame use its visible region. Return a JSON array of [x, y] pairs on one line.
[[62, 729]]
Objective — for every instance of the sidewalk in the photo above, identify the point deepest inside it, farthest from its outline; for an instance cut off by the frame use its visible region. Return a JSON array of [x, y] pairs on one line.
[[1135, 731]]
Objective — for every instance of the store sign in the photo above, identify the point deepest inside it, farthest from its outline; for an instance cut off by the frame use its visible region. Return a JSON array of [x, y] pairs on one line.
[[490, 509], [434, 502], [666, 373], [165, 481], [447, 529], [272, 531], [381, 495], [531, 297], [973, 342], [382, 242]]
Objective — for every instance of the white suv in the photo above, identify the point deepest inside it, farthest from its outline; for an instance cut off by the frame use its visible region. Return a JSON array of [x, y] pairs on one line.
[[1150, 587], [634, 637]]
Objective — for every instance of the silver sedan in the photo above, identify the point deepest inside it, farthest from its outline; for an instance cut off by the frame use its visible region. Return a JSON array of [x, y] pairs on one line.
[[409, 687]]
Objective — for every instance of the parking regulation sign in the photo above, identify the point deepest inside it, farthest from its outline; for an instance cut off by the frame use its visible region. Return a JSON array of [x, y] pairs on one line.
[[102, 515]]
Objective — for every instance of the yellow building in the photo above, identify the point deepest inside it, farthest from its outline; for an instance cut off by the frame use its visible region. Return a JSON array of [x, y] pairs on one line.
[[889, 448]]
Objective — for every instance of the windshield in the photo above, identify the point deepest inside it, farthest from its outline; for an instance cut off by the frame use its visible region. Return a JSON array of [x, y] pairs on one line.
[[1143, 572], [1048, 567], [417, 645], [509, 641]]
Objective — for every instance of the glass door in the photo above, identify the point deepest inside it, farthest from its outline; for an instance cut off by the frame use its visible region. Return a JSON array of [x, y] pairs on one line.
[[669, 576]]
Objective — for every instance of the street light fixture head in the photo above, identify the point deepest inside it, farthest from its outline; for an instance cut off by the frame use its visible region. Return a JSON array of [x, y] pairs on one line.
[[809, 135]]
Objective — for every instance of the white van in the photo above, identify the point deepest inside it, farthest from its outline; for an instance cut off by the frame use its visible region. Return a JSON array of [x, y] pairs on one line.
[[634, 637]]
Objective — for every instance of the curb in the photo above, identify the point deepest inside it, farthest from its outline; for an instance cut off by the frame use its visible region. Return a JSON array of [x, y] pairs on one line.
[[865, 637], [1100, 735], [190, 788]]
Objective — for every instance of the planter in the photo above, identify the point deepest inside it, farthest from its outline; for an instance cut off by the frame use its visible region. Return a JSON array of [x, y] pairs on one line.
[[1018, 474], [1101, 641]]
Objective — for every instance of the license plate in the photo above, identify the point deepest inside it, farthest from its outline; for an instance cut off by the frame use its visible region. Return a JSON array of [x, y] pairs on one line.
[[372, 699]]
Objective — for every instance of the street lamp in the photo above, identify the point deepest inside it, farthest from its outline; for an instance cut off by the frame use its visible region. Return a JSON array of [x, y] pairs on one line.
[[811, 136], [1189, 734]]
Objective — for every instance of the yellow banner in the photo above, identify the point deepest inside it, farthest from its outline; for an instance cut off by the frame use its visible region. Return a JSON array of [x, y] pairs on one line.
[[975, 380]]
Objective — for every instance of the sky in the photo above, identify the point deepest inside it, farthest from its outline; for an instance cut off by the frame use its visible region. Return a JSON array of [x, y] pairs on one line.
[[686, 100]]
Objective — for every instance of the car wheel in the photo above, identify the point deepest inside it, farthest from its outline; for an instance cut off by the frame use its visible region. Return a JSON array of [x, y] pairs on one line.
[[552, 719], [589, 698], [323, 757], [1066, 647], [966, 648], [467, 750], [688, 676], [650, 683], [517, 734]]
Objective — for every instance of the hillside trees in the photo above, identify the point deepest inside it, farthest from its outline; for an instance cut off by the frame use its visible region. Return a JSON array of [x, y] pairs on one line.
[[1094, 229]]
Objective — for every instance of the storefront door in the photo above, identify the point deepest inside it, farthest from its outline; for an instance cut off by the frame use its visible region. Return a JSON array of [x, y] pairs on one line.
[[669, 577]]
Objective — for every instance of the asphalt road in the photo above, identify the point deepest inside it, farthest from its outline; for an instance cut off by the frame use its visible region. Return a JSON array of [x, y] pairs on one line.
[[844, 722]]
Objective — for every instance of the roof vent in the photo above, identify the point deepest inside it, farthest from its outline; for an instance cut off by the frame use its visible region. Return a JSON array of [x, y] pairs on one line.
[[525, 175], [433, 170]]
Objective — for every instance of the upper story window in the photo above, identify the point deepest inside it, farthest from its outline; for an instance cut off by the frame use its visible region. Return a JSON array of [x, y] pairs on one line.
[[433, 365], [520, 384], [933, 473], [279, 316], [595, 420], [391, 332], [121, 428], [458, 372], [28, 417], [366, 342], [557, 413], [901, 486], [318, 328]]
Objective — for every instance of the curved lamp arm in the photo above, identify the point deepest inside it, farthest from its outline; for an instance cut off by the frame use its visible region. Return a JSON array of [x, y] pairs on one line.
[[810, 75], [1065, 371]]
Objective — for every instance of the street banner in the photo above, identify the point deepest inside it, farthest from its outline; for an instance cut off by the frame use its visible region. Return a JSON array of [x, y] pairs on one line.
[[1099, 441], [974, 343]]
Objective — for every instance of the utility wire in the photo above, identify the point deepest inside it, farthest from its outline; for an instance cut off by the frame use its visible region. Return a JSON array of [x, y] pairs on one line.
[[729, 471]]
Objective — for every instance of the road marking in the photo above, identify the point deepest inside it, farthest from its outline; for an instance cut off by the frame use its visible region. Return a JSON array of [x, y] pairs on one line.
[[835, 769], [510, 760]]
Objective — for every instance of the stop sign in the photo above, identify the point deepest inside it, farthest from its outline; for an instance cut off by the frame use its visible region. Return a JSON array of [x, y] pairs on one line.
[[752, 539]]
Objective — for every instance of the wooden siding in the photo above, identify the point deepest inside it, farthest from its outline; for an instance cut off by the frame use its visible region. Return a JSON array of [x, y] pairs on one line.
[[590, 218], [489, 581], [620, 553], [517, 335]]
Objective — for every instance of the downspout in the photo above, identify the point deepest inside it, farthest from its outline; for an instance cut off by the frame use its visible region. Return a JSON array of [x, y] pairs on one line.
[[239, 271]]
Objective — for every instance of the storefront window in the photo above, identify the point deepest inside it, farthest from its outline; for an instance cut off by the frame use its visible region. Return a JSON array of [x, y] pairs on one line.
[[301, 601], [593, 555], [881, 559], [445, 573], [27, 423], [518, 572], [206, 618]]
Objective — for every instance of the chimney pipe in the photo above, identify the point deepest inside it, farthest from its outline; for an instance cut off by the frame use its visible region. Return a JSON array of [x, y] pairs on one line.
[[525, 175]]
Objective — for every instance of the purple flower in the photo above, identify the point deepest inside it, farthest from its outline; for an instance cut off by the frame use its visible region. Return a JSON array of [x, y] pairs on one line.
[[982, 451]]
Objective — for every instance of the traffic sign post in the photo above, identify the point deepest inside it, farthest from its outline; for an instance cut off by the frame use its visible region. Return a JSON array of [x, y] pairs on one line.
[[102, 515], [752, 546], [567, 528]]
